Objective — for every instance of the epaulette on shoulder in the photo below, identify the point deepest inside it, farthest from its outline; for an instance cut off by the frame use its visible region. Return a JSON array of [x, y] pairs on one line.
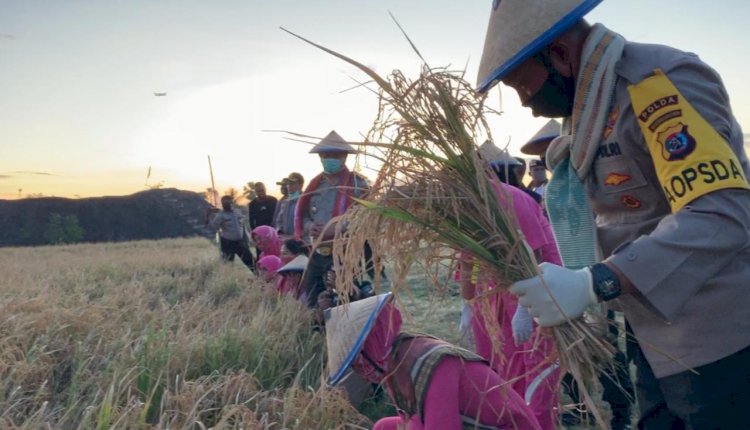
[[639, 60]]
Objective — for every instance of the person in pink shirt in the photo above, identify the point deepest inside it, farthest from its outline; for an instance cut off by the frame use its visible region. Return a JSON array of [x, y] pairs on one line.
[[267, 240], [291, 274], [268, 270], [523, 354], [294, 261], [435, 385]]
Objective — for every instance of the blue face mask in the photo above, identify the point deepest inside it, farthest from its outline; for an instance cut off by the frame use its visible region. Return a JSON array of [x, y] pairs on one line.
[[331, 165], [294, 195]]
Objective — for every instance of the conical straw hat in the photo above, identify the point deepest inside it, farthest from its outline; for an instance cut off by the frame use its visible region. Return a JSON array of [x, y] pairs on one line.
[[347, 327], [518, 29], [538, 144], [496, 156], [298, 264], [333, 143]]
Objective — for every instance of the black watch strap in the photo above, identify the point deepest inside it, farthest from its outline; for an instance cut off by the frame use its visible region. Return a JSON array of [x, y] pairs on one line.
[[606, 283]]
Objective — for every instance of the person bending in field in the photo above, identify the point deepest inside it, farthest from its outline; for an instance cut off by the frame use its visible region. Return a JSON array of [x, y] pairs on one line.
[[294, 256], [435, 385], [268, 270]]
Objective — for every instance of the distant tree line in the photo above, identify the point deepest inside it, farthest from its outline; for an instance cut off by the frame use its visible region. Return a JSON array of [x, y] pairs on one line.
[[62, 229], [248, 193]]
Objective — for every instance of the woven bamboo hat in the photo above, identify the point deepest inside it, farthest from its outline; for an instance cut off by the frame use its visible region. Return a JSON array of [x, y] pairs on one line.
[[347, 327], [518, 29], [333, 143], [496, 156], [538, 144], [298, 264]]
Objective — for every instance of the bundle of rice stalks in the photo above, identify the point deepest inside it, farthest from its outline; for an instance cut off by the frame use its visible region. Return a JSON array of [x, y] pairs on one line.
[[434, 192]]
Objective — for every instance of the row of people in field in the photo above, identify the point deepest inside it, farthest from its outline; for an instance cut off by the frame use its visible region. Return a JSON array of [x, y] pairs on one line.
[[526, 359], [299, 215], [650, 203], [311, 278]]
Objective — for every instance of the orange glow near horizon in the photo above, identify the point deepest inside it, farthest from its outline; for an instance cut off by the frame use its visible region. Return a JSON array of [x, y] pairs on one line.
[[94, 126]]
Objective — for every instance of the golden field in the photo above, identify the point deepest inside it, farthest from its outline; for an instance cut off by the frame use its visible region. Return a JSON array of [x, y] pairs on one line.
[[162, 335], [155, 335]]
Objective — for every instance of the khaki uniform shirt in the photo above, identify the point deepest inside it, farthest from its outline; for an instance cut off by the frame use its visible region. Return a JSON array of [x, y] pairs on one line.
[[229, 224], [323, 200], [692, 267], [285, 217]]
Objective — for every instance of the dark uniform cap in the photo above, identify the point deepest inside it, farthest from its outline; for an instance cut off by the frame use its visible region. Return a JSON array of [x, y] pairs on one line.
[[295, 177], [537, 163]]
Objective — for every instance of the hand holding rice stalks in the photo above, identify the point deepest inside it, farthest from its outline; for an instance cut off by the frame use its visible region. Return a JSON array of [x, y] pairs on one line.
[[434, 196]]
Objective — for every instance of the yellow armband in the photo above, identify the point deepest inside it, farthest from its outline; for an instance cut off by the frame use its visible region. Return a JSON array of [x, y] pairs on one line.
[[690, 157], [475, 271]]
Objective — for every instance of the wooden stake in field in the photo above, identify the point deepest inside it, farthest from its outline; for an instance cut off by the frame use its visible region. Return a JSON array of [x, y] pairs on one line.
[[213, 186]]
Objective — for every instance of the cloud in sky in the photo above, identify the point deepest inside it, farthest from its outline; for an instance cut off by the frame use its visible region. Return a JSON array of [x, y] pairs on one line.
[[23, 172]]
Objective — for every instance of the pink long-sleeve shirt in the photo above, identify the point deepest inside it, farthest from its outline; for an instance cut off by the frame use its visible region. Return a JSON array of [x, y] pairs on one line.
[[520, 364], [457, 389]]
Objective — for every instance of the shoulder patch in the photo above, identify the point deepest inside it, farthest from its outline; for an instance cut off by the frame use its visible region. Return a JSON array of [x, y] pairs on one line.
[[657, 105], [631, 202], [615, 178], [676, 142], [690, 157]]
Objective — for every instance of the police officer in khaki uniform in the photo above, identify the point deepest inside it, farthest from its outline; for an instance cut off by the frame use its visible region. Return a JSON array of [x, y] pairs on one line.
[[327, 196], [651, 143]]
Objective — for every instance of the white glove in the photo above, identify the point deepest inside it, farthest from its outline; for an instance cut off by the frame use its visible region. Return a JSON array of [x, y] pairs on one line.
[[522, 325], [557, 295], [465, 323]]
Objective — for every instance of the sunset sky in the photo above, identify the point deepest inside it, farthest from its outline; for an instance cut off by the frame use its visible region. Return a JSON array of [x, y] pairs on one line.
[[78, 115]]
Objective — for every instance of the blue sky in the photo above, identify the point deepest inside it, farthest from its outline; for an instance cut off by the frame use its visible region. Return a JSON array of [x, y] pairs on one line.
[[78, 115]]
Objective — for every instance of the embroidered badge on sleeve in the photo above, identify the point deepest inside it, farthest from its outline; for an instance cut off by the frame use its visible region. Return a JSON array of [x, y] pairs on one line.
[[614, 179]]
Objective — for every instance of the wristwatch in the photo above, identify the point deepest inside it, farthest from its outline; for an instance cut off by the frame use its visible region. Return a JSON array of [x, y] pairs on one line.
[[606, 283]]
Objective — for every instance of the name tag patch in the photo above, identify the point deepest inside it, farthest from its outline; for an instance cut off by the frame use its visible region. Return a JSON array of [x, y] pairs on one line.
[[609, 149]]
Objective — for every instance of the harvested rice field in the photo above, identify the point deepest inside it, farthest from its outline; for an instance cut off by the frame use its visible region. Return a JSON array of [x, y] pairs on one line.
[[160, 334]]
